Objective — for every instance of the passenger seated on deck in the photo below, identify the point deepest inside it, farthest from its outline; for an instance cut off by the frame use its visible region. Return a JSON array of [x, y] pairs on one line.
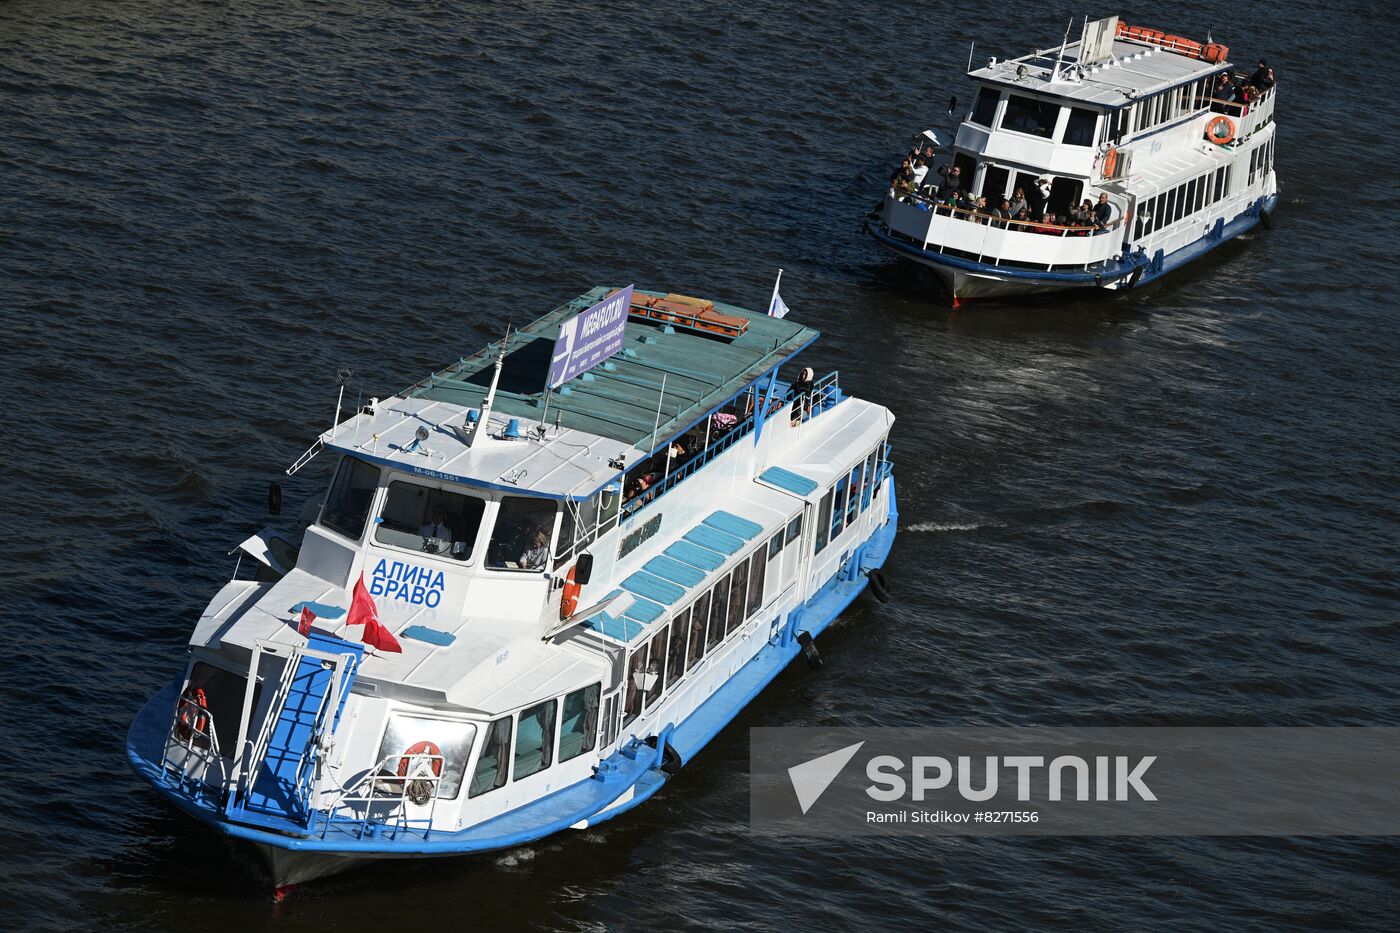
[[1225, 88], [1018, 202], [437, 528], [1103, 212], [537, 553], [1024, 216]]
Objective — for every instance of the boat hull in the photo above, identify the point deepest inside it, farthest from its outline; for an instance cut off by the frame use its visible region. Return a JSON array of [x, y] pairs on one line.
[[968, 280], [626, 779]]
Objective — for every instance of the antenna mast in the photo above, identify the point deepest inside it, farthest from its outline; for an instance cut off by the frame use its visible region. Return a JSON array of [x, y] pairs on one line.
[[490, 393]]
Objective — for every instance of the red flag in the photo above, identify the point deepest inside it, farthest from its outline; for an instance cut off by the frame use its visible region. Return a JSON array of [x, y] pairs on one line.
[[362, 608], [380, 637], [304, 624]]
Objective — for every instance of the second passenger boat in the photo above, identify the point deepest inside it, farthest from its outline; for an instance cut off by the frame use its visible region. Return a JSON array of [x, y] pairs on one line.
[[1127, 112]]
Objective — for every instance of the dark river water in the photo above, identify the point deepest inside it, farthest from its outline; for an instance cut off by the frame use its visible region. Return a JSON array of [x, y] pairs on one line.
[[1176, 507]]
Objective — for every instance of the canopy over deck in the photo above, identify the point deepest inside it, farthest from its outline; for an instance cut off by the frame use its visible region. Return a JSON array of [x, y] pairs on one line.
[[608, 411], [1135, 70], [619, 398]]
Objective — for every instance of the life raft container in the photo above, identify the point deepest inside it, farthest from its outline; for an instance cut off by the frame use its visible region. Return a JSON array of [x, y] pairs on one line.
[[1213, 52], [193, 715], [569, 601], [1221, 130]]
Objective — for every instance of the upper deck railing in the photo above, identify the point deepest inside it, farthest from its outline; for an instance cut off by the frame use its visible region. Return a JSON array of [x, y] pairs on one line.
[[668, 474], [1248, 117]]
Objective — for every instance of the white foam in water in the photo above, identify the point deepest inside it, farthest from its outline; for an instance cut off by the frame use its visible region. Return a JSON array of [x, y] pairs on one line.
[[944, 526]]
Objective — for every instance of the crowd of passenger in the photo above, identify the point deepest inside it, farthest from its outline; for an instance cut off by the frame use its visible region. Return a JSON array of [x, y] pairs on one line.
[[1241, 94], [944, 191], [641, 480]]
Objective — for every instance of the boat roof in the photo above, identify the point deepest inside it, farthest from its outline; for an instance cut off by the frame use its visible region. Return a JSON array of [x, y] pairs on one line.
[[616, 408], [1135, 70]]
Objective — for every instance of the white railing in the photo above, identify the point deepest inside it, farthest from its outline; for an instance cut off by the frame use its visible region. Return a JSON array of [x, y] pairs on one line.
[[1246, 117], [995, 240], [384, 792], [192, 732]]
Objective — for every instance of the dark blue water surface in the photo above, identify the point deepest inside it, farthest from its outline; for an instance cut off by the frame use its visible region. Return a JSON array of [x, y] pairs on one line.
[[1174, 507]]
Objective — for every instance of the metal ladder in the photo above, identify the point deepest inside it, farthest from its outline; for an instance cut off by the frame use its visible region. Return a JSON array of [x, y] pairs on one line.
[[277, 773]]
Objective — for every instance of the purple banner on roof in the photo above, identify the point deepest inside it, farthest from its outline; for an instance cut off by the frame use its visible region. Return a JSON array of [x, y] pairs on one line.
[[588, 338]]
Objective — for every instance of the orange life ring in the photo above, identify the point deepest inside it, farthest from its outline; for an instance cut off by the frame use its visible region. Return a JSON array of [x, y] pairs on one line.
[[188, 722], [569, 601], [1110, 162], [421, 748], [1221, 122]]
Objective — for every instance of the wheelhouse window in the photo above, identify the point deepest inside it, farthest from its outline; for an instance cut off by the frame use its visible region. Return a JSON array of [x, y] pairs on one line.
[[352, 493], [1030, 116], [1079, 130], [578, 724], [984, 109], [521, 535], [424, 518], [582, 522], [493, 765], [534, 741], [409, 735]]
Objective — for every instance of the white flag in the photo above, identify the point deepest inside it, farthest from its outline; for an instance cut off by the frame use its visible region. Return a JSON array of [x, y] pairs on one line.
[[778, 308]]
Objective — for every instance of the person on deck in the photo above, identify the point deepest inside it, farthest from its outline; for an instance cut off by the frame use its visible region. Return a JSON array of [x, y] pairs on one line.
[[1263, 77], [1018, 202], [1103, 211], [952, 180], [920, 171]]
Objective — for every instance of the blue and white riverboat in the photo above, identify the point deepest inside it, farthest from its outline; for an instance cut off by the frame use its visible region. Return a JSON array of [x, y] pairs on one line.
[[1127, 112], [590, 563]]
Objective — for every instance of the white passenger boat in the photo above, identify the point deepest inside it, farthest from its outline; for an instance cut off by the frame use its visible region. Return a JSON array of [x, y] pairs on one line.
[[1128, 112], [588, 564]]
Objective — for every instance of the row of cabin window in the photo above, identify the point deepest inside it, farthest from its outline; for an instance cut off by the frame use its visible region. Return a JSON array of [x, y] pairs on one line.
[[1034, 117], [1165, 107], [535, 734], [847, 499], [1261, 160], [1185, 199], [699, 628]]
